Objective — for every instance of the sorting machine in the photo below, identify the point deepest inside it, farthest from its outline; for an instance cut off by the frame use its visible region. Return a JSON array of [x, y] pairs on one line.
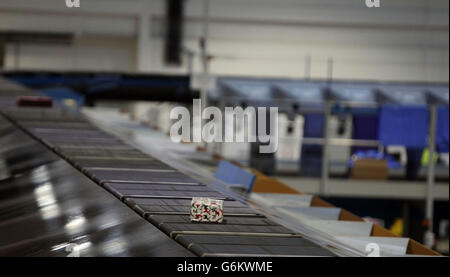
[[67, 185]]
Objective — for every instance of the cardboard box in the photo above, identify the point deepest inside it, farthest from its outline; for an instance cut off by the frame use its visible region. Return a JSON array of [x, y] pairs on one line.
[[370, 169]]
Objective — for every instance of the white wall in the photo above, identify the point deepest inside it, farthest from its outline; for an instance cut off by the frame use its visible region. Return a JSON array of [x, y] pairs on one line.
[[402, 40], [86, 53]]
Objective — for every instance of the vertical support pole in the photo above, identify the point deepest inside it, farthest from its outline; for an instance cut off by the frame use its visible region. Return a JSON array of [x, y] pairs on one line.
[[308, 67], [204, 57], [429, 208], [326, 140], [218, 147], [330, 65], [204, 52], [323, 190]]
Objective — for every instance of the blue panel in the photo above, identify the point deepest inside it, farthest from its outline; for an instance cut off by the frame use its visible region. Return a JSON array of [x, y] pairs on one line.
[[235, 175], [311, 156], [357, 93], [405, 95], [38, 80], [365, 127], [442, 130], [304, 92], [251, 89], [373, 155], [100, 87], [101, 82], [441, 93], [62, 93], [403, 125], [311, 160], [313, 126]]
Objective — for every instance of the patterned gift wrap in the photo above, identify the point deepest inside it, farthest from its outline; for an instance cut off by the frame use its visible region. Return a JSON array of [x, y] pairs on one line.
[[206, 210]]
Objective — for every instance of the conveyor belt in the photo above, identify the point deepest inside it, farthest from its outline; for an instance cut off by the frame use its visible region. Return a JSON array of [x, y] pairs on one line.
[[47, 205], [224, 245], [148, 206], [128, 190], [153, 189]]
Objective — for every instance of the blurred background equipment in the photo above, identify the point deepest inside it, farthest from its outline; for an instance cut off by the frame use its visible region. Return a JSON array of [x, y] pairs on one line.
[[174, 32]]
